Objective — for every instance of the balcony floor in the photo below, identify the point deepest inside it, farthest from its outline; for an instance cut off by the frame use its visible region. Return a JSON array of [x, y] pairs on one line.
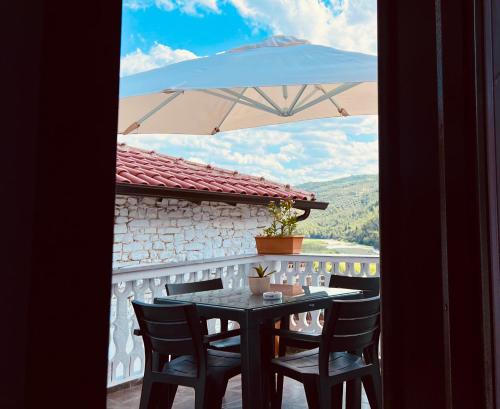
[[293, 397]]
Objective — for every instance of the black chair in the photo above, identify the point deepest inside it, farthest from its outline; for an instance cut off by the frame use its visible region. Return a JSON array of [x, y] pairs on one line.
[[230, 343], [350, 325], [370, 287], [175, 330]]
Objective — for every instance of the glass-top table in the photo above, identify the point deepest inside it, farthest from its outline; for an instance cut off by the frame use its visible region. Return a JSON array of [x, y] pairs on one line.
[[243, 299], [253, 313]]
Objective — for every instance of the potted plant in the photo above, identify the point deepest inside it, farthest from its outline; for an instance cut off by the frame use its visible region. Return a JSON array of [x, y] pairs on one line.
[[260, 283], [279, 237]]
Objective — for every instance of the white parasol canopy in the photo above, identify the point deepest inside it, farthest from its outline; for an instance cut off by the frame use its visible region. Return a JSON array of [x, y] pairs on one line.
[[280, 80]]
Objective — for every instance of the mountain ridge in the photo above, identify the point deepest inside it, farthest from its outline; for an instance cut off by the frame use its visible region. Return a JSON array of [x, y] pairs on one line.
[[353, 212]]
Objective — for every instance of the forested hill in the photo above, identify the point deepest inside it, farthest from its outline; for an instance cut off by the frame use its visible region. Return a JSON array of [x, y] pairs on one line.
[[352, 214]]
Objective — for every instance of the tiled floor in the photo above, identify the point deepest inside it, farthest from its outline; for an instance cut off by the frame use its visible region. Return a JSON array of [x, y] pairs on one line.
[[293, 397]]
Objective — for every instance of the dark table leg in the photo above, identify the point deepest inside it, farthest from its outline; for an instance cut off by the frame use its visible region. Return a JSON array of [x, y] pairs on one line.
[[251, 365], [267, 351]]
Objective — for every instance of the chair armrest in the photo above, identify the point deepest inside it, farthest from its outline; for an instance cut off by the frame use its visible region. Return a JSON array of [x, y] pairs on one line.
[[137, 332], [220, 335], [299, 336]]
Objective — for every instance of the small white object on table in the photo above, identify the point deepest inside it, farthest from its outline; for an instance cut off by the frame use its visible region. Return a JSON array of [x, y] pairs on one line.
[[272, 295]]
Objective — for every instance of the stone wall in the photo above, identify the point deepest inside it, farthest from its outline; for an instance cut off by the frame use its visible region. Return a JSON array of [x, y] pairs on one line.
[[156, 230]]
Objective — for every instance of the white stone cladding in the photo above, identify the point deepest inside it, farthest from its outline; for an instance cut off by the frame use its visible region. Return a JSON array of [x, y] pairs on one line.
[[160, 230]]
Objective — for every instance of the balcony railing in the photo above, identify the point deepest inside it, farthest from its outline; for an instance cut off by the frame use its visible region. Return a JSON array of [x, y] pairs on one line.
[[144, 283]]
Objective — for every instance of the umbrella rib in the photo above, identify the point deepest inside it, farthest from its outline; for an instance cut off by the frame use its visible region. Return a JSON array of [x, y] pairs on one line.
[[307, 97], [296, 99], [217, 128], [269, 100], [253, 103], [341, 110], [138, 123], [233, 96], [328, 95]]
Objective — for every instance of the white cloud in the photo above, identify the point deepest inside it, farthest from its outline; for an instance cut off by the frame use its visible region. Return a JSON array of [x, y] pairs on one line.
[[192, 7], [345, 24], [136, 4], [295, 153], [157, 56]]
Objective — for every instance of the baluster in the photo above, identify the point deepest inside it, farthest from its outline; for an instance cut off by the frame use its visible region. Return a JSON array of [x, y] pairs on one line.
[[336, 268], [121, 331], [365, 269], [246, 274], [238, 276], [322, 276], [160, 290], [304, 273], [349, 269], [205, 275], [228, 279], [290, 272], [112, 328], [188, 277], [219, 273], [281, 270], [313, 268], [141, 290], [312, 278]]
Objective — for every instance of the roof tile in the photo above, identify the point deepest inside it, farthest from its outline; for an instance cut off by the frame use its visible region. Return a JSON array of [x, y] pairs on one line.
[[140, 167]]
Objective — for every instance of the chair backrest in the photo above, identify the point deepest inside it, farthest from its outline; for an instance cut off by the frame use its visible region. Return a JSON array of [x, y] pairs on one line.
[[351, 325], [170, 329], [369, 285], [185, 288]]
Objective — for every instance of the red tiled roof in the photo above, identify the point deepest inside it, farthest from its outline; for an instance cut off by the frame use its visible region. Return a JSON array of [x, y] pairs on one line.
[[148, 168]]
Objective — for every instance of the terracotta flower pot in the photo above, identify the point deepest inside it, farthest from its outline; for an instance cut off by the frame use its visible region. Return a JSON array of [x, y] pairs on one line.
[[258, 285], [279, 245]]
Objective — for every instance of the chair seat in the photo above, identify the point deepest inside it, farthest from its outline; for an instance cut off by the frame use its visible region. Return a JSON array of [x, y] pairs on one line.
[[306, 363], [220, 365], [303, 344], [231, 344]]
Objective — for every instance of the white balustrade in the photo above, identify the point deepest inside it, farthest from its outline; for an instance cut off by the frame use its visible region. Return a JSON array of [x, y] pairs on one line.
[[144, 283]]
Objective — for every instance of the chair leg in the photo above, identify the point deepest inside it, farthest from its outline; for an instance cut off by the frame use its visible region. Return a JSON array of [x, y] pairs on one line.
[[311, 391], [337, 395], [373, 388], [146, 394], [213, 400], [199, 397], [172, 390], [279, 390], [271, 387], [325, 396], [353, 394], [215, 389]]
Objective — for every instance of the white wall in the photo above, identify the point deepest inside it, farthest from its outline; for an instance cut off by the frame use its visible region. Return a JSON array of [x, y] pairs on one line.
[[156, 230]]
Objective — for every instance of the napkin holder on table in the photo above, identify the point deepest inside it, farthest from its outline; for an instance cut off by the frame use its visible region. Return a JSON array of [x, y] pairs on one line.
[[288, 289]]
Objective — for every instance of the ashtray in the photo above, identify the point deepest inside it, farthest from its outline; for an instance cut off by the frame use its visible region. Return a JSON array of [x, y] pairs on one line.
[[272, 295]]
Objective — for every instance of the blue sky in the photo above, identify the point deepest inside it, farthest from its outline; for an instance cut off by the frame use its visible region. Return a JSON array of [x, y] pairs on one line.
[[161, 32]]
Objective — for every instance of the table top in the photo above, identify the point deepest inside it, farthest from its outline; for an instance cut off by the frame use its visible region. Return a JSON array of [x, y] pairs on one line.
[[243, 299]]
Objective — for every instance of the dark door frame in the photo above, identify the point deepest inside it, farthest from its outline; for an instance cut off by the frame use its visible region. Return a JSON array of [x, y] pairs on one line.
[[438, 195], [437, 121], [491, 112], [59, 70]]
